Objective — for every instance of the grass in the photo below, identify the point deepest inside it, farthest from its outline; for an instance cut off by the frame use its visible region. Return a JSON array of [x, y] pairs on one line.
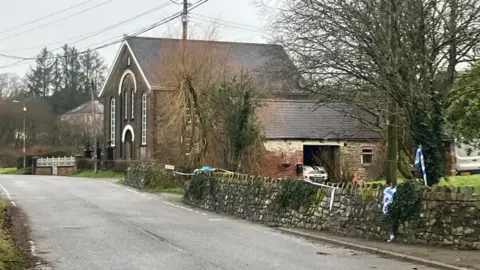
[[12, 171], [180, 191], [451, 181], [99, 174], [10, 256]]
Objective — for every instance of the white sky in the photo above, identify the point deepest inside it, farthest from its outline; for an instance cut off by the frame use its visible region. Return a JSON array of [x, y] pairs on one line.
[[238, 20]]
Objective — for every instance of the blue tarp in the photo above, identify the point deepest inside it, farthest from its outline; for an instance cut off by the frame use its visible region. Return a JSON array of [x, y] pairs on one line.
[[206, 169]]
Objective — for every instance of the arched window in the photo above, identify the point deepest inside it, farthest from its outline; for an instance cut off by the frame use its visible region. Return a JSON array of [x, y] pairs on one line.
[[144, 119], [125, 101], [112, 120], [133, 102]]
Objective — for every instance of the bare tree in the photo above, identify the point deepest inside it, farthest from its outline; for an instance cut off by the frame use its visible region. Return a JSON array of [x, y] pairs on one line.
[[10, 85], [384, 57], [196, 111]]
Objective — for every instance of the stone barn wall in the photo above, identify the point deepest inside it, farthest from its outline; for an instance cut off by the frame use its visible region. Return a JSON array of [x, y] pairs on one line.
[[282, 156]]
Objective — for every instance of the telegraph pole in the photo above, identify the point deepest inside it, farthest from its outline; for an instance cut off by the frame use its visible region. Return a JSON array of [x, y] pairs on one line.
[[185, 20], [94, 125], [24, 130]]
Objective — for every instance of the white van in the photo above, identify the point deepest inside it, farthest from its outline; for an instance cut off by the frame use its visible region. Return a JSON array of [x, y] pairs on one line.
[[467, 158]]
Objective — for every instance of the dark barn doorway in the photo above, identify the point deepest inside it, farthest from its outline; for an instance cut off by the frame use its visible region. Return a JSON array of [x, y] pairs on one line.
[[327, 156]]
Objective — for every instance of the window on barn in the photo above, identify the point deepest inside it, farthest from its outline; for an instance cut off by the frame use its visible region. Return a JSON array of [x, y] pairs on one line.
[[367, 156]]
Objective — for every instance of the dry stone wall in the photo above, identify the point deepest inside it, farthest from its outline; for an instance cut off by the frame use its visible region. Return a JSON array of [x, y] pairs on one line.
[[448, 217]]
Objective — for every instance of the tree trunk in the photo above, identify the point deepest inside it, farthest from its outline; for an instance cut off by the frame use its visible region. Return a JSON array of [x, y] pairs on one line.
[[392, 143]]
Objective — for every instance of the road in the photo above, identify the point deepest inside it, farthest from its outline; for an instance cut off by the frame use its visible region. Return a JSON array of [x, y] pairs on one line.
[[96, 224]]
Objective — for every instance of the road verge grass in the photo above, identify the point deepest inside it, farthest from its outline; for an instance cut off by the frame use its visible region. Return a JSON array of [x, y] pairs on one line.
[[98, 174], [12, 171], [10, 255]]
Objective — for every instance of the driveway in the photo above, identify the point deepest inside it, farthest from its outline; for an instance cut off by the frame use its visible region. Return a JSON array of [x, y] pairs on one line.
[[96, 224]]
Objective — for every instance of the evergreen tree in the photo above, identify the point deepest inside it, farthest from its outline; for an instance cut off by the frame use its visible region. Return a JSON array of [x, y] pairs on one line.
[[39, 79]]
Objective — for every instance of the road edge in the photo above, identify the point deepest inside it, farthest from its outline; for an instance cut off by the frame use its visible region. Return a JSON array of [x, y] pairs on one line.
[[385, 253], [20, 228]]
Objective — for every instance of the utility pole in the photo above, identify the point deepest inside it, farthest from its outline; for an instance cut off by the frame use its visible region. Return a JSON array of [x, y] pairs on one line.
[[24, 131], [94, 126], [185, 20]]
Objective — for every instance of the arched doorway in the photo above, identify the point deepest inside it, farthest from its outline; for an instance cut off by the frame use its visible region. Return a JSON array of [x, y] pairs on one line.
[[128, 139], [128, 145]]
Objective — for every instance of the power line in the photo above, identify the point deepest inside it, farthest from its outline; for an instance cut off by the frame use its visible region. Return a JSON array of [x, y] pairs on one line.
[[46, 17], [61, 19], [113, 42], [225, 21], [227, 24], [125, 21], [94, 33]]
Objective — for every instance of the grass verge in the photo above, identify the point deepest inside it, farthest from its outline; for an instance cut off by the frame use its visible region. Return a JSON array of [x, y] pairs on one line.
[[12, 171], [99, 174], [180, 191], [452, 181], [10, 255], [177, 190]]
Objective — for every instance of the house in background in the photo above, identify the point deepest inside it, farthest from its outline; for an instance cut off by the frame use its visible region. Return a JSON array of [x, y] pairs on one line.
[[137, 87], [297, 130], [82, 118]]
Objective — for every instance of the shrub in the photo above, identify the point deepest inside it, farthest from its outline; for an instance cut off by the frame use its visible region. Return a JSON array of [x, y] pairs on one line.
[[161, 179], [295, 194], [406, 203], [198, 185], [367, 193]]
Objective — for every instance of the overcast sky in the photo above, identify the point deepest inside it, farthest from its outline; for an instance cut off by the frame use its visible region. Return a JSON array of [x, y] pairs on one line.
[[238, 20]]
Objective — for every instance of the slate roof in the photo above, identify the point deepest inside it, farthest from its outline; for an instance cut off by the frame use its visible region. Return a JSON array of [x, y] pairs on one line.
[[85, 108], [267, 63], [302, 119]]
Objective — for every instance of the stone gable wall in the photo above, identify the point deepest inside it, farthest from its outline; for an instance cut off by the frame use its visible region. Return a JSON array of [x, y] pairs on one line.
[[448, 217]]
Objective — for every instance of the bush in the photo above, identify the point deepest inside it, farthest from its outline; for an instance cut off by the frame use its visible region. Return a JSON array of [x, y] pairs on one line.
[[161, 179], [367, 193], [295, 194], [9, 158], [198, 185], [406, 203]]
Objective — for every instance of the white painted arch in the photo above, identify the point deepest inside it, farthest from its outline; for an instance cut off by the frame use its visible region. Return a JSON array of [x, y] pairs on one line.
[[125, 129], [125, 73]]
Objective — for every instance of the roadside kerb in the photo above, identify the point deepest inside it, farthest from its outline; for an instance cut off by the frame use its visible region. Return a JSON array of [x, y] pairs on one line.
[[390, 254]]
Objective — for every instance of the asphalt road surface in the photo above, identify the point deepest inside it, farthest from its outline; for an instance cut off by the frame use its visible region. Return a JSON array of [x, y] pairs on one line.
[[96, 224]]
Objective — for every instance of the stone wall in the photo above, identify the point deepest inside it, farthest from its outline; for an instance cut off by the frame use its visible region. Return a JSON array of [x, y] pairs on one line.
[[447, 218], [66, 171], [43, 171]]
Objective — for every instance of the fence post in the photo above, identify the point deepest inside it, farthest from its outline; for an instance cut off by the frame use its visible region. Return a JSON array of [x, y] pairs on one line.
[[34, 165]]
